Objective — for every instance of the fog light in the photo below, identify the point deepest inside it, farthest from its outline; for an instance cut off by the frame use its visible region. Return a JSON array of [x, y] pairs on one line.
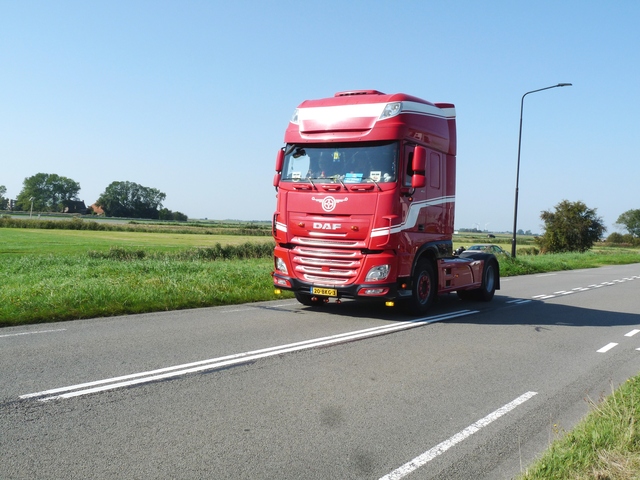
[[280, 265], [281, 281], [378, 273], [372, 291]]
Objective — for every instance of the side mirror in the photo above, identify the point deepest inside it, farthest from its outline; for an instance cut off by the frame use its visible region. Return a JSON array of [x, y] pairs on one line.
[[280, 160], [418, 165], [276, 179]]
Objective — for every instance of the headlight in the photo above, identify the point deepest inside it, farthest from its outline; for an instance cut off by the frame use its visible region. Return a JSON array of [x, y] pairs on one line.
[[378, 273], [281, 266]]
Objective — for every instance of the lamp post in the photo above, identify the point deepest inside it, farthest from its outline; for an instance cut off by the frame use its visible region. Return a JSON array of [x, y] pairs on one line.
[[515, 211]]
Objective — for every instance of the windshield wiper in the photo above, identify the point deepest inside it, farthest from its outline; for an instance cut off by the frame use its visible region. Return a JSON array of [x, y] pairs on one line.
[[342, 183], [311, 182], [369, 178]]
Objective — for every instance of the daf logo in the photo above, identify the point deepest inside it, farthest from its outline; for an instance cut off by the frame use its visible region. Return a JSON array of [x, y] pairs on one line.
[[326, 226], [328, 203]]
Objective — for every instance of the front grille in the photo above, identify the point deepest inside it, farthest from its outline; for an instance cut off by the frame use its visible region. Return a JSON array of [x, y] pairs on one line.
[[326, 266]]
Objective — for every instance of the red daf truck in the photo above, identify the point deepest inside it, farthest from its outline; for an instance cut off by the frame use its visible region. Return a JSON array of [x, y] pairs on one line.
[[365, 204]]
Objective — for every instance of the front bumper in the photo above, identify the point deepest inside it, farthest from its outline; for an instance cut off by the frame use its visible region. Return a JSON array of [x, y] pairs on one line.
[[355, 291]]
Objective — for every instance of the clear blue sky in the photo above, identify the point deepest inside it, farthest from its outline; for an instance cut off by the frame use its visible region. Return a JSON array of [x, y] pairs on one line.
[[193, 97]]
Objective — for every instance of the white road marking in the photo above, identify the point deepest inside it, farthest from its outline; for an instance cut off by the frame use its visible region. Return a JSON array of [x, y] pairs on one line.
[[583, 289], [439, 449], [32, 333], [607, 347], [216, 363], [632, 333]]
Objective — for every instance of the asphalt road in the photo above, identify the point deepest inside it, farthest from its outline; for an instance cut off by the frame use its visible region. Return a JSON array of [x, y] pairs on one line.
[[280, 391]]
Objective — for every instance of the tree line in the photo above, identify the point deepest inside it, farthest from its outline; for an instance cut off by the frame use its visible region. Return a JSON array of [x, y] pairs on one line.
[[573, 226], [49, 192]]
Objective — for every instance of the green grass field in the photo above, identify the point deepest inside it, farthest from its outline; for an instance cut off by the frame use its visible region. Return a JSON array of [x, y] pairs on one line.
[[54, 274], [19, 241]]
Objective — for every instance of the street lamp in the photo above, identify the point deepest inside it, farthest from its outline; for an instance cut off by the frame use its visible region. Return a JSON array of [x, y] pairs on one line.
[[515, 211]]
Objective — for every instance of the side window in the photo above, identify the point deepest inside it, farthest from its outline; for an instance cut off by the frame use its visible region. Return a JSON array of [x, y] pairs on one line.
[[434, 170]]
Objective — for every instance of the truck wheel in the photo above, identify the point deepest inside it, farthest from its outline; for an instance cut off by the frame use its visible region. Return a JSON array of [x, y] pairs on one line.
[[489, 281], [424, 289], [306, 299], [488, 288]]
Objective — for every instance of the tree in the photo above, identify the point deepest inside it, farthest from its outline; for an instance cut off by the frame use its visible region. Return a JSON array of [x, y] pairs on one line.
[[3, 201], [166, 214], [572, 227], [47, 192], [128, 199], [631, 221]]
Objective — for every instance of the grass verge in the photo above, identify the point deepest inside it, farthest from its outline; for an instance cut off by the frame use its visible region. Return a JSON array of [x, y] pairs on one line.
[[604, 446], [39, 289]]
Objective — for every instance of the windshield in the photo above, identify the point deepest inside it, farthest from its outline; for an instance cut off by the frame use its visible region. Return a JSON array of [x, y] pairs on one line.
[[345, 163]]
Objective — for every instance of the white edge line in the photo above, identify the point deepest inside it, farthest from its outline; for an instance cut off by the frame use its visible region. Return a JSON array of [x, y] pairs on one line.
[[439, 449], [177, 370], [32, 333]]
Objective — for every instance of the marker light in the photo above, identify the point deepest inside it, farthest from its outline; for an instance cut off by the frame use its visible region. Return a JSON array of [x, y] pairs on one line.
[[281, 266], [377, 273], [294, 117], [391, 110]]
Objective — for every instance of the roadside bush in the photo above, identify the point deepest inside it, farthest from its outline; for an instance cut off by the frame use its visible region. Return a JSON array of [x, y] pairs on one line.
[[615, 237], [623, 240], [244, 251], [118, 253]]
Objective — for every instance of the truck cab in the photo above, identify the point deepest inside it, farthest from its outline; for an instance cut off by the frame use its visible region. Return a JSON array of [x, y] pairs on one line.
[[366, 203]]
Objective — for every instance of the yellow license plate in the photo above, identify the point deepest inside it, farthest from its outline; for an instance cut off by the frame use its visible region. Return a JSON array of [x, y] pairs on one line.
[[327, 292]]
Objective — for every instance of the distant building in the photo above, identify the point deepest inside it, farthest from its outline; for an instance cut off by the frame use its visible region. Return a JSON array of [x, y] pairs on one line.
[[74, 206], [97, 209]]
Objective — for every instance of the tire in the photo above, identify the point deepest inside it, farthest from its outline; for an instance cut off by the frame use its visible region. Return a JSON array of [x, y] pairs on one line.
[[306, 299], [488, 287], [489, 281], [423, 290]]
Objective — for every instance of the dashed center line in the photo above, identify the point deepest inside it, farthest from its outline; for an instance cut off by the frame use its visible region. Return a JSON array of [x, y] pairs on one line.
[[584, 289], [607, 347]]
